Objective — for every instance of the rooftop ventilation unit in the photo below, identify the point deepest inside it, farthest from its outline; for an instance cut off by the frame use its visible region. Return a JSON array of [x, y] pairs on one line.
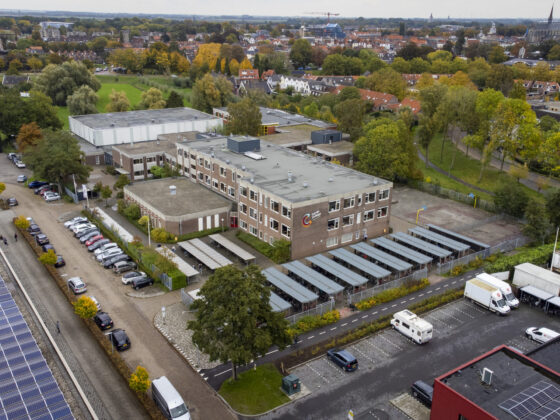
[[153, 121], [487, 376], [254, 156], [252, 180], [227, 161], [375, 181], [212, 154], [290, 176], [243, 167]]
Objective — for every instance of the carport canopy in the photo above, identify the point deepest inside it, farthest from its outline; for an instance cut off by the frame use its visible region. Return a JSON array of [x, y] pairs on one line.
[[555, 301], [536, 292]]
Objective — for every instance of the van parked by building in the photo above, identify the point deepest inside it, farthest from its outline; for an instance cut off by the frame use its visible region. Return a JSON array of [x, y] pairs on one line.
[[169, 400], [418, 330], [505, 288]]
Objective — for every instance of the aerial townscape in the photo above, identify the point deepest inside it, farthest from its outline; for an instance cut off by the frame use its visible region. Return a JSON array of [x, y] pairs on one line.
[[279, 211]]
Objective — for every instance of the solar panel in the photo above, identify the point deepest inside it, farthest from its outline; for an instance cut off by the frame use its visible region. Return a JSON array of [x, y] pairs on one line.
[[539, 401], [27, 386]]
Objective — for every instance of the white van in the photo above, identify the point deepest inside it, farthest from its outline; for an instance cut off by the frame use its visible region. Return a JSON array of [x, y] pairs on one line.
[[169, 400], [408, 324], [505, 288], [541, 335]]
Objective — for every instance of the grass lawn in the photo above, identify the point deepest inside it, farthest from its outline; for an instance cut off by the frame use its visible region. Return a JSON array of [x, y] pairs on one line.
[[63, 113], [256, 391], [133, 94]]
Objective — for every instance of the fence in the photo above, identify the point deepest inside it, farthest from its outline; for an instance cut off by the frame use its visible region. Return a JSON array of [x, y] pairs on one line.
[[186, 298], [436, 189], [367, 293], [317, 310]]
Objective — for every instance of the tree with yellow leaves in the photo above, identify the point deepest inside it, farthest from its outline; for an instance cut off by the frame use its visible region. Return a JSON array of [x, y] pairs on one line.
[[234, 67], [245, 64], [207, 54], [139, 380]]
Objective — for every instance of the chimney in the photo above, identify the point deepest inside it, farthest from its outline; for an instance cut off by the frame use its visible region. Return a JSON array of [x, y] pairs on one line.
[[172, 190]]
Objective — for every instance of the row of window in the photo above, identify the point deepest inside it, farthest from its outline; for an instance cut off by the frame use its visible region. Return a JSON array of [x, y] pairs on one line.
[[350, 202], [349, 219], [274, 225], [347, 237], [275, 206]]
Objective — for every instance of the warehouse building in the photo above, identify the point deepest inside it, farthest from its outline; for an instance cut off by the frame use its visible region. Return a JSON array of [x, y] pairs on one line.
[[280, 193], [102, 130]]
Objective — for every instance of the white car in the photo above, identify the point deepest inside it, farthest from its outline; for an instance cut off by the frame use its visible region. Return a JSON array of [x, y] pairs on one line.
[[541, 335], [113, 252], [81, 227], [75, 221], [52, 197], [104, 248], [132, 275], [20, 164], [96, 302]]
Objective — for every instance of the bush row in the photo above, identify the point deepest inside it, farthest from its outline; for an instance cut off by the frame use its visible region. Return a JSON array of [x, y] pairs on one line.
[[115, 357], [535, 255], [392, 294], [312, 322], [463, 268], [279, 252]]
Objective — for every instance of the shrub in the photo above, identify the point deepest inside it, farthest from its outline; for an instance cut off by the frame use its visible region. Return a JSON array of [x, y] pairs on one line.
[[539, 255], [85, 307], [21, 222], [48, 258], [279, 252], [392, 294], [160, 235], [312, 322], [132, 212], [139, 380], [476, 263], [111, 170]]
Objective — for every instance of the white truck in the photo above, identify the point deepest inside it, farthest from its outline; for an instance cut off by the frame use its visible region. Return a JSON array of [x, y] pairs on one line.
[[487, 296], [505, 288], [408, 324]]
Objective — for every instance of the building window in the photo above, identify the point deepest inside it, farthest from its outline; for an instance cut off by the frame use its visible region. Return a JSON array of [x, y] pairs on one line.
[[357, 235], [243, 208], [274, 224], [207, 179], [231, 191], [252, 213], [347, 237], [260, 236], [97, 160], [286, 212], [382, 212], [334, 205], [243, 191], [137, 161], [260, 217], [384, 195], [215, 183], [222, 171], [233, 176], [193, 157], [332, 224], [370, 197], [207, 164], [252, 195], [369, 215], [253, 230], [348, 220], [359, 200], [274, 206], [332, 241], [139, 173], [200, 161], [243, 224], [286, 231], [222, 187], [348, 202], [201, 176]]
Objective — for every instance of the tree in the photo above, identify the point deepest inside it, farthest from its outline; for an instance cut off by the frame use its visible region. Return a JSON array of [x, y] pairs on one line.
[[209, 92], [83, 101], [14, 67], [152, 99], [518, 172], [118, 102], [84, 307], [132, 212], [16, 111], [234, 321], [554, 53], [121, 181], [549, 152], [430, 98], [106, 193], [48, 258], [245, 118], [538, 226], [35, 64], [497, 55], [478, 72], [159, 234], [65, 158], [500, 77], [300, 54], [510, 198], [245, 64], [139, 380], [21, 222], [350, 115], [552, 200], [234, 67], [28, 136], [387, 80], [517, 91], [174, 101]]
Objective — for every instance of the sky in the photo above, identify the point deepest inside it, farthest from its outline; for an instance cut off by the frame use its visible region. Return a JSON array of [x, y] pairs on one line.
[[533, 9]]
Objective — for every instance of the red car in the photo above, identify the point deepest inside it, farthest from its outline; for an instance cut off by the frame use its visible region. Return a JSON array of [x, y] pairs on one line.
[[94, 240]]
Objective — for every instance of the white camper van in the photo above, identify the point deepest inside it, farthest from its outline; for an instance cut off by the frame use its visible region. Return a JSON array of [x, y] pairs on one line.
[[408, 324], [505, 288]]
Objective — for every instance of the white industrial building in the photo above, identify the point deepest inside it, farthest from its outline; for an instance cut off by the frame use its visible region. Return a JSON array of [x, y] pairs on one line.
[[102, 130]]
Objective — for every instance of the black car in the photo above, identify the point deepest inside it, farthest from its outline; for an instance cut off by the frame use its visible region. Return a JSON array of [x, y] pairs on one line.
[[41, 239], [82, 233], [33, 229], [138, 283], [423, 392], [117, 258], [120, 339], [12, 202], [103, 321], [46, 247], [59, 261], [89, 235], [97, 244], [343, 359], [37, 184]]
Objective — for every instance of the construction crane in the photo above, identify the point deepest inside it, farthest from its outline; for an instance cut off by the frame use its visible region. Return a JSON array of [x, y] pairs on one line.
[[327, 14]]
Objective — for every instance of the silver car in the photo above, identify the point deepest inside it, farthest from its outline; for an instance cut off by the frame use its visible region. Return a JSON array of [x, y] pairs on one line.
[[75, 221], [113, 252], [133, 275], [104, 248]]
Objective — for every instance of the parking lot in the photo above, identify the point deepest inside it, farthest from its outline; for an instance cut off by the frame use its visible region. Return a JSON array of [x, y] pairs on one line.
[[389, 362]]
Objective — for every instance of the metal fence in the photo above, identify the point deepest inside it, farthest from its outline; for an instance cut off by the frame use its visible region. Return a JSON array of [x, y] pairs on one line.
[[317, 310], [367, 293], [186, 298], [454, 195]]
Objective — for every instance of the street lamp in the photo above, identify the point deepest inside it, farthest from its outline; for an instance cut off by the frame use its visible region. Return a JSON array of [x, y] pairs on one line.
[[222, 224]]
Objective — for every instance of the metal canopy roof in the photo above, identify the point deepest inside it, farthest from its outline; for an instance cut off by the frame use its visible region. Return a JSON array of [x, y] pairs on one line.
[[417, 243], [440, 239], [360, 263], [314, 278], [402, 250], [536, 292], [211, 252], [337, 270], [289, 286], [458, 236], [278, 304], [384, 258], [554, 301], [232, 247]]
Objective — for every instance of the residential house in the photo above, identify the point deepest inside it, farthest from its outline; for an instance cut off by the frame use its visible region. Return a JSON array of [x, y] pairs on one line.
[[380, 101], [248, 74]]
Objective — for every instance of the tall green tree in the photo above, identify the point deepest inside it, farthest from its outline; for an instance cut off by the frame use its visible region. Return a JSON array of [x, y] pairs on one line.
[[152, 99], [174, 101], [300, 54], [510, 198], [83, 101], [15, 111], [538, 225], [487, 103], [234, 321], [211, 92], [387, 80], [118, 101], [245, 118], [552, 200], [430, 98], [350, 116]]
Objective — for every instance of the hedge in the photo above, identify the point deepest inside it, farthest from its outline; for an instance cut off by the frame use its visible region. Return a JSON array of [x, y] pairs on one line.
[[279, 252], [392, 294], [312, 322], [535, 255]]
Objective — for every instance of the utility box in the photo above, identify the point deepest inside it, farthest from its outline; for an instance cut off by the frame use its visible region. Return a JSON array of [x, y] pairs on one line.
[[325, 136], [242, 144], [291, 384]]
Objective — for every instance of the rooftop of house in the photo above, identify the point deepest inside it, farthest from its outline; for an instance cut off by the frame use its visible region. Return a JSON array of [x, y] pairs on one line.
[[271, 167], [147, 147], [190, 198], [298, 135], [143, 117]]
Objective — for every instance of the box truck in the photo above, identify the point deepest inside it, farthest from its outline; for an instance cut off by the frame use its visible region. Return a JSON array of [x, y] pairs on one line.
[[505, 288], [408, 324], [487, 296]]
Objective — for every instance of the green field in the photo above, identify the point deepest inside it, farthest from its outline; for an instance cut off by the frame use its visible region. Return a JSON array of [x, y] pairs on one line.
[[133, 94]]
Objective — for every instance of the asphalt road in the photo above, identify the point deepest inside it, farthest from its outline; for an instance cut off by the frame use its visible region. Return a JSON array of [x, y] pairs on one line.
[[219, 374]]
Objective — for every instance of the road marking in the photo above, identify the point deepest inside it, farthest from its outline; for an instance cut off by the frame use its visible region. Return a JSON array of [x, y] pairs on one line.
[[311, 337], [270, 352], [375, 313], [403, 301], [321, 333], [445, 285], [332, 329], [438, 288], [392, 306], [421, 295], [365, 316], [453, 282], [411, 299], [354, 320], [343, 325], [221, 373], [384, 309], [428, 292]]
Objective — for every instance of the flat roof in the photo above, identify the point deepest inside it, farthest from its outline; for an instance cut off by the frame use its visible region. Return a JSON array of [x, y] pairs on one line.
[[360, 263], [147, 147], [299, 135], [284, 118], [417, 243], [184, 135], [278, 304], [401, 250], [382, 257], [440, 239], [339, 271], [457, 236], [289, 286], [312, 178], [314, 278], [232, 247], [536, 292], [547, 354], [512, 374], [143, 117], [540, 272], [190, 198], [337, 148]]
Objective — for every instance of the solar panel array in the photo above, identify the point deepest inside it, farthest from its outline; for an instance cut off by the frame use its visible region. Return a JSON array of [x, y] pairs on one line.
[[538, 402], [316, 279], [28, 389]]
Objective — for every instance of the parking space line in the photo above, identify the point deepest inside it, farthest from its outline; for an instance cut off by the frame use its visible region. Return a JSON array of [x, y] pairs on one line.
[[309, 338], [343, 325], [270, 352], [221, 373], [365, 316], [382, 336], [379, 349]]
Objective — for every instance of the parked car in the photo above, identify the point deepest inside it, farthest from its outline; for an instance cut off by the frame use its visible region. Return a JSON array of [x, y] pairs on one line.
[[21, 178], [110, 253], [93, 240], [52, 197], [105, 247], [119, 339], [11, 156], [130, 277], [138, 283], [41, 239], [103, 321], [123, 266], [77, 285], [74, 221], [423, 392], [37, 184], [59, 261], [81, 233], [81, 228], [344, 359], [97, 244], [33, 229], [84, 237], [46, 247], [12, 202], [20, 164], [40, 190], [97, 304], [46, 190], [169, 400], [109, 263], [541, 335]]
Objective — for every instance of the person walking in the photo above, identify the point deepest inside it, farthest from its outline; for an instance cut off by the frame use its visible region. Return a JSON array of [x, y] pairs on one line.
[[58, 327], [15, 236]]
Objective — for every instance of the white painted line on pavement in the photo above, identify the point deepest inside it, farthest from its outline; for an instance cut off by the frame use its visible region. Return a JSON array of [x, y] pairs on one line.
[[384, 309], [365, 316], [453, 282], [421, 295], [354, 320], [392, 306], [332, 329], [346, 323], [321, 333], [270, 352], [428, 292], [445, 285], [411, 299], [221, 373], [438, 288], [375, 313], [403, 301], [311, 337]]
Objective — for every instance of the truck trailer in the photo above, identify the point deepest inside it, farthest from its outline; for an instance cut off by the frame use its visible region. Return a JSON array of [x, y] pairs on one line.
[[487, 296]]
